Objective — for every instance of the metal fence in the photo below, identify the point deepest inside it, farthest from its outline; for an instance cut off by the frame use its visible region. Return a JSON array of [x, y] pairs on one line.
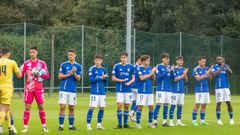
[[53, 43]]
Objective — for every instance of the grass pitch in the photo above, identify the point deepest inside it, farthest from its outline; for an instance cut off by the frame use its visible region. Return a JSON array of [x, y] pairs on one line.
[[110, 119]]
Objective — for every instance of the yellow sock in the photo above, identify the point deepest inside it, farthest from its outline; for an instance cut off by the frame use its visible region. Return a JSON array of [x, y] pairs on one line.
[[8, 119], [2, 117]]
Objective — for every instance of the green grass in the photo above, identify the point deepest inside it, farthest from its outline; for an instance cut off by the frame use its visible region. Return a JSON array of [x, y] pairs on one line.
[[110, 120]]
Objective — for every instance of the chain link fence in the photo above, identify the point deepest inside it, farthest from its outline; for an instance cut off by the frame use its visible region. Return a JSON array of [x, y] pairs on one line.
[[53, 43]]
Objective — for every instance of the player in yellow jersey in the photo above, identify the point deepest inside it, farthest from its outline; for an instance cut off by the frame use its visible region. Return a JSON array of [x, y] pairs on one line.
[[7, 68]]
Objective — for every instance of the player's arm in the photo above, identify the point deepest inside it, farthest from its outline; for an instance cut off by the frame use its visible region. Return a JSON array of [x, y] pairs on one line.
[[62, 75], [17, 70], [208, 73], [183, 76], [93, 78], [229, 70], [114, 78], [159, 73], [144, 77], [77, 73], [46, 74], [132, 80], [133, 77], [217, 72]]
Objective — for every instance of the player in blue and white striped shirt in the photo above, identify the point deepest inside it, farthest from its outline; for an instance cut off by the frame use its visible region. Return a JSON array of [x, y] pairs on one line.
[[178, 85], [202, 75], [123, 74], [222, 88], [97, 77]]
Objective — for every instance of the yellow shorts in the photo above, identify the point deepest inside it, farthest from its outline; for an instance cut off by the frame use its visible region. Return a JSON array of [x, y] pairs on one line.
[[6, 95]]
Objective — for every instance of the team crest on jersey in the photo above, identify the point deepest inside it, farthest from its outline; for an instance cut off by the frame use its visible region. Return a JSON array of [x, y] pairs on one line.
[[128, 69], [96, 72], [120, 69], [163, 69], [67, 68]]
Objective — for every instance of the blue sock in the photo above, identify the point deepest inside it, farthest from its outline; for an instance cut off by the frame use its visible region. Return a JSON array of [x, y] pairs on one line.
[[218, 114], [171, 113], [202, 115], [179, 112], [150, 116], [71, 120], [156, 111], [89, 116], [133, 105], [165, 111], [119, 116], [125, 117], [61, 119], [194, 115], [231, 115], [135, 109], [138, 116], [100, 115], [12, 120]]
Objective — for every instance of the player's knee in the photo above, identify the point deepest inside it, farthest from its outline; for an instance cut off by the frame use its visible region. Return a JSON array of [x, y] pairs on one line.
[[40, 107], [126, 106], [228, 103], [27, 107]]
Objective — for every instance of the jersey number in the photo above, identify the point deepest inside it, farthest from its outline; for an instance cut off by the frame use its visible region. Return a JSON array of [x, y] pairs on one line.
[[3, 69]]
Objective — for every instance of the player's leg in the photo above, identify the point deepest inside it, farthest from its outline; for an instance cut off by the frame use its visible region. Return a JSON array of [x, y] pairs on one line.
[[39, 97], [102, 104], [219, 100], [120, 99], [198, 102], [227, 99], [133, 107], [71, 105], [203, 114], [230, 111], [138, 116], [3, 110], [141, 99], [218, 113], [195, 113], [5, 96], [62, 105], [159, 101], [167, 100], [150, 104], [127, 102], [174, 100], [28, 99], [92, 104], [180, 104], [206, 100]]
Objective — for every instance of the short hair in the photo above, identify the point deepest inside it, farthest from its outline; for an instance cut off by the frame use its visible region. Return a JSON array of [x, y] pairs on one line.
[[124, 54], [145, 57], [5, 51], [33, 48], [201, 58], [179, 58], [137, 58], [71, 51], [98, 56], [165, 55]]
